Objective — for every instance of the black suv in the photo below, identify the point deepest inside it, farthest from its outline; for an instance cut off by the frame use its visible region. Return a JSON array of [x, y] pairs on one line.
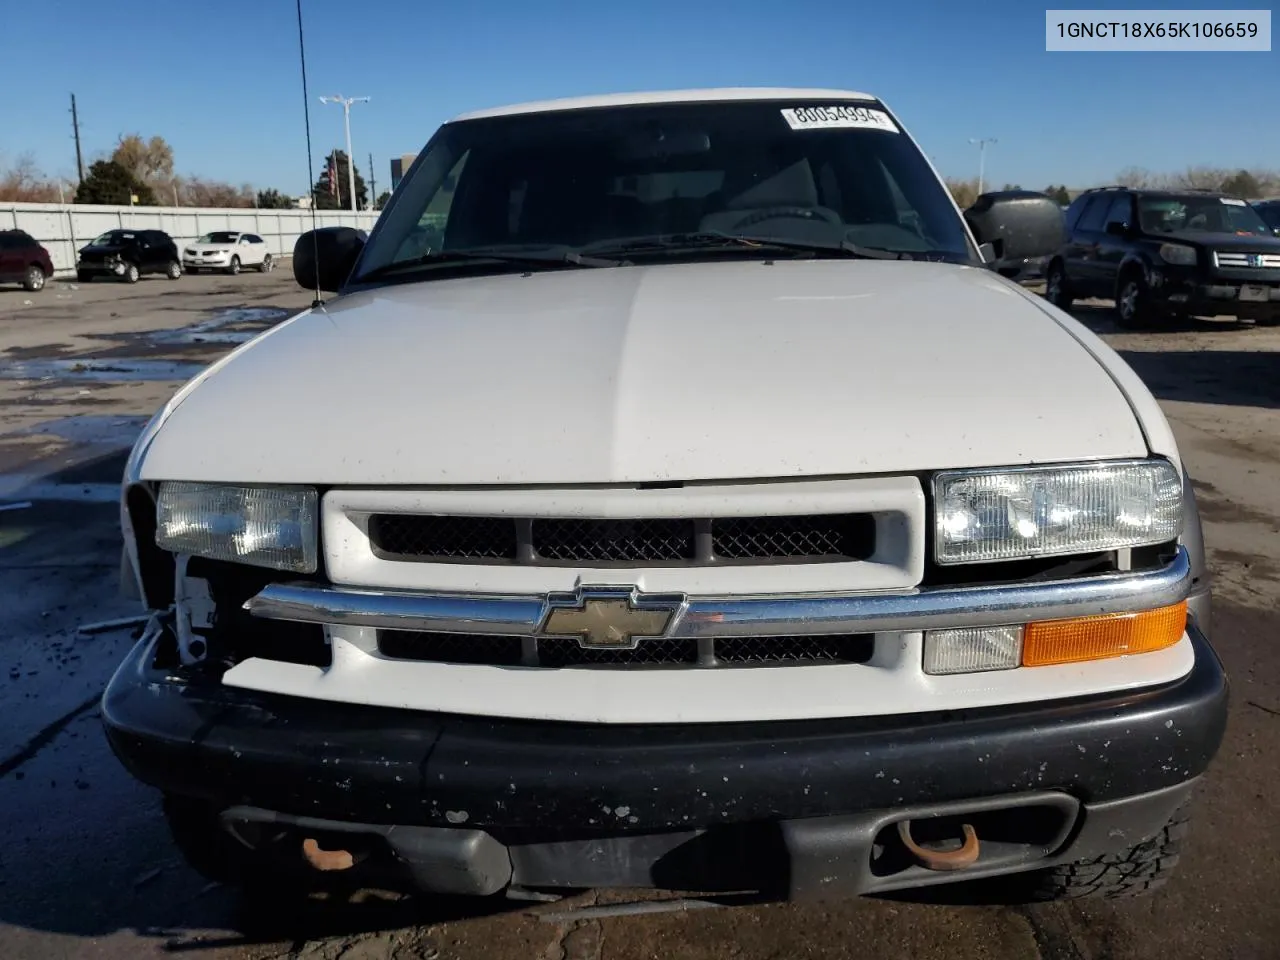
[[128, 254], [1167, 253]]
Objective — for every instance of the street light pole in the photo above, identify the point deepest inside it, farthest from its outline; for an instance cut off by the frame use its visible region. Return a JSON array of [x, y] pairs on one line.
[[346, 118], [982, 156]]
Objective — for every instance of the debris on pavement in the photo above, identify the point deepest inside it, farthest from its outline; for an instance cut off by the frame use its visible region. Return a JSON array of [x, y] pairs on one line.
[[104, 626]]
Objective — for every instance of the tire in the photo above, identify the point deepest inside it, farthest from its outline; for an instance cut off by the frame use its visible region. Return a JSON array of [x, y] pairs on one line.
[[33, 279], [131, 273], [266, 264], [1056, 289], [204, 845], [83, 276], [174, 270], [1135, 872], [234, 269], [218, 856], [1133, 308]]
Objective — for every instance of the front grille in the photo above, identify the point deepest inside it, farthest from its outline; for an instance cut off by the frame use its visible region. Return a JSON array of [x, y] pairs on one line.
[[613, 541], [610, 542], [1269, 261], [557, 652], [443, 538]]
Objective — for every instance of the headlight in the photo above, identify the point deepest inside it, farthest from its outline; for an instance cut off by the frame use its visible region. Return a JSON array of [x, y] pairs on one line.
[[273, 527], [1015, 514], [1178, 254]]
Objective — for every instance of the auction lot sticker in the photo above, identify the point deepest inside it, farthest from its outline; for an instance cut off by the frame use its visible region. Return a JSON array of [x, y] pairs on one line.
[[841, 116]]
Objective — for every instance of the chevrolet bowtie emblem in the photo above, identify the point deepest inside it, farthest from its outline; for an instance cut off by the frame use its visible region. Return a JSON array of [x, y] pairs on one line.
[[609, 618]]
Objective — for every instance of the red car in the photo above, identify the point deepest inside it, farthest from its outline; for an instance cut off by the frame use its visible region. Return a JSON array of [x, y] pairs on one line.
[[23, 260]]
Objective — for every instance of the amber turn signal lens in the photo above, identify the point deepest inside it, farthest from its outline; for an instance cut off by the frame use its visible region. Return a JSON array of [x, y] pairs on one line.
[[1096, 638]]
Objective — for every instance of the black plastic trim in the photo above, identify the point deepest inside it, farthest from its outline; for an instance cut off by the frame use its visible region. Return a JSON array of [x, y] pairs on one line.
[[540, 780]]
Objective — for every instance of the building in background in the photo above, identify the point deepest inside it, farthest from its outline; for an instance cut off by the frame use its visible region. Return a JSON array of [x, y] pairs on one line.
[[399, 165]]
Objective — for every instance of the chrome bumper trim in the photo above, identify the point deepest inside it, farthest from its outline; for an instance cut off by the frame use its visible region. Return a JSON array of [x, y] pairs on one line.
[[790, 615]]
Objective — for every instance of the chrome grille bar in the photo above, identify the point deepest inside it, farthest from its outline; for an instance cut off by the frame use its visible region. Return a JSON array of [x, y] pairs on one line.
[[1266, 261], [795, 614]]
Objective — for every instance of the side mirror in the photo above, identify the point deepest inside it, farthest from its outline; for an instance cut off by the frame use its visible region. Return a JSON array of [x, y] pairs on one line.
[[1117, 229], [323, 258], [1019, 224]]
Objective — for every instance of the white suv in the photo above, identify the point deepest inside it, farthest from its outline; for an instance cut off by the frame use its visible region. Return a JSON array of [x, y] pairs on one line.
[[227, 251], [673, 496]]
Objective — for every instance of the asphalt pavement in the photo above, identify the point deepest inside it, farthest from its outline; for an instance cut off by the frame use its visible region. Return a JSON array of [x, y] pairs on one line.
[[88, 870]]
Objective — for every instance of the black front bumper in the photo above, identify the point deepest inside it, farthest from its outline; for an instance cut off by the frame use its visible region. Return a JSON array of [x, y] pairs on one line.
[[1191, 294], [563, 799], [115, 268]]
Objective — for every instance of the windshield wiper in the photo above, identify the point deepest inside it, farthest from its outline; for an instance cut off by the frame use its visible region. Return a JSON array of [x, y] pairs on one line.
[[497, 256], [711, 238]]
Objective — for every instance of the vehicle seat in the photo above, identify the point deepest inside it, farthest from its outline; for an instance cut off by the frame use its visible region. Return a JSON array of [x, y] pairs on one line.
[[793, 186]]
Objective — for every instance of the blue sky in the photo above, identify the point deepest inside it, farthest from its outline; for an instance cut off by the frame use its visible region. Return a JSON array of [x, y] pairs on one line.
[[221, 82]]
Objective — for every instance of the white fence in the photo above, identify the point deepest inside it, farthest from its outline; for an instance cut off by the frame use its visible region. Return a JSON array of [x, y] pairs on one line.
[[65, 228]]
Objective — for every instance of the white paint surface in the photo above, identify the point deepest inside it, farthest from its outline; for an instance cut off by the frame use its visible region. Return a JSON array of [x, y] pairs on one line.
[[892, 684], [674, 372], [710, 95]]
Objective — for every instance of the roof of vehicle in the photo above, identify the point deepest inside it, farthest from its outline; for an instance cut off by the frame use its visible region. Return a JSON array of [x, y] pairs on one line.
[[1161, 191], [666, 96]]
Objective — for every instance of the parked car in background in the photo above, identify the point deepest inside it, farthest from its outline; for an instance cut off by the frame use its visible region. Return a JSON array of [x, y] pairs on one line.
[[1269, 210], [228, 251], [23, 260], [1164, 253], [128, 254], [1032, 208]]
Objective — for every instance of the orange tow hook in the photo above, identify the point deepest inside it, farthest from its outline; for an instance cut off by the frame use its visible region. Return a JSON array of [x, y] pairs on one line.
[[326, 860], [958, 859]]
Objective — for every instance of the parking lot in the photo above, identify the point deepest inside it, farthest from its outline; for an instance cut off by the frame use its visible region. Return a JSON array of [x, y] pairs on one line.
[[88, 870]]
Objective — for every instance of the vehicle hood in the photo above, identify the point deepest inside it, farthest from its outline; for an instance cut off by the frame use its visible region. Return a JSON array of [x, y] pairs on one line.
[[1247, 243], [650, 373], [95, 253], [208, 248]]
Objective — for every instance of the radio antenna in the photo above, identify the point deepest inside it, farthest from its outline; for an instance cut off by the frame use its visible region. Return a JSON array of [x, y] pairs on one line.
[[306, 113]]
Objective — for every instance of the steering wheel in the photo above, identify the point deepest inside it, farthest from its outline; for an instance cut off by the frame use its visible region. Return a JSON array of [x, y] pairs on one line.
[[799, 213]]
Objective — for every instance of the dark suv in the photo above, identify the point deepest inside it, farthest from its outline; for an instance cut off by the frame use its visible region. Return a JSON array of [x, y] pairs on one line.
[[128, 254], [1167, 253], [23, 260]]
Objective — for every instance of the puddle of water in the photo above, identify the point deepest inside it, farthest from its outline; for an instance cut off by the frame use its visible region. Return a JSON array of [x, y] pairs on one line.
[[88, 428], [223, 326], [122, 370]]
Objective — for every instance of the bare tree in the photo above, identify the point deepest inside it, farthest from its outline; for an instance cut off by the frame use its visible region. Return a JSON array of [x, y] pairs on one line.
[[964, 191], [1135, 177], [24, 182], [150, 161], [1201, 178]]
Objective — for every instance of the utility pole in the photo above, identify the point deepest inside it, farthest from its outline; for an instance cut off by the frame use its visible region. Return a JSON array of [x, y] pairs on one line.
[[75, 129], [373, 185], [982, 156], [346, 117]]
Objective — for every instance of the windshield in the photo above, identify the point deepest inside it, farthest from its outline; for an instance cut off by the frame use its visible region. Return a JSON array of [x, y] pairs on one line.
[[112, 238], [817, 176], [1200, 214], [1270, 213], [223, 237]]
